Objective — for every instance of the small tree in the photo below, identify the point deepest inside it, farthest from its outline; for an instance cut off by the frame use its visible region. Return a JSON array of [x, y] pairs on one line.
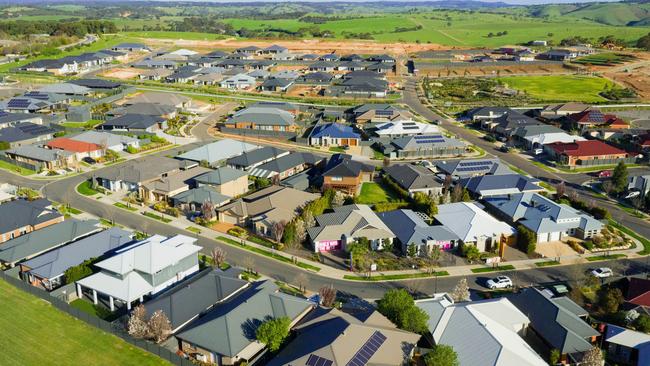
[[249, 264], [593, 357], [441, 355], [207, 210], [159, 327], [642, 323], [466, 197], [137, 325], [399, 307], [218, 256], [554, 357], [610, 300], [412, 250], [471, 252], [619, 177], [301, 280], [273, 332], [278, 229], [608, 187], [457, 193], [526, 239], [327, 296], [461, 291]]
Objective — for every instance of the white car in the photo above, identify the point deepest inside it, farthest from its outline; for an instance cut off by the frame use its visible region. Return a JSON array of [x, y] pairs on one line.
[[499, 282], [602, 272]]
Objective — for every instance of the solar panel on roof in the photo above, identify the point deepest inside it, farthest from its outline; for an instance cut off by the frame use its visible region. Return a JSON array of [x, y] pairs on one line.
[[410, 127], [366, 352], [314, 360], [475, 163], [383, 113], [18, 103]]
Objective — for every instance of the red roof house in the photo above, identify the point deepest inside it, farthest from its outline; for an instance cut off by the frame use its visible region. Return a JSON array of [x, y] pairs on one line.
[[594, 117], [638, 292], [80, 148], [574, 153]]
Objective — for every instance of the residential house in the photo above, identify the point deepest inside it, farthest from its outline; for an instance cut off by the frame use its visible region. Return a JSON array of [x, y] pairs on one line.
[[155, 64], [19, 217], [107, 140], [255, 158], [37, 242], [25, 133], [466, 168], [141, 269], [218, 152], [167, 99], [193, 200], [360, 86], [486, 332], [164, 187], [594, 117], [403, 128], [549, 220], [41, 158], [285, 106], [411, 228], [48, 270], [378, 113], [498, 185], [384, 58], [273, 49], [132, 176], [507, 124], [346, 175], [249, 50], [487, 113], [195, 296], [422, 146], [155, 74], [626, 347], [276, 85], [347, 224], [316, 78], [226, 334], [56, 67], [131, 47], [335, 338], [536, 136], [262, 209], [639, 183], [414, 178], [586, 153], [555, 111], [65, 89], [286, 166], [239, 81], [557, 55], [80, 149], [323, 66], [135, 122], [637, 293], [333, 134], [225, 180], [26, 104], [558, 321], [96, 84], [145, 109], [264, 119], [474, 226], [13, 119]]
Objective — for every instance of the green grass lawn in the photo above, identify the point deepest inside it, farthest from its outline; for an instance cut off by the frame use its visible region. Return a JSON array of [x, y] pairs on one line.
[[125, 207], [36, 334], [90, 124], [373, 193], [605, 257], [560, 87], [193, 229], [86, 189], [493, 269], [607, 58], [383, 277], [157, 217], [547, 263], [15, 168], [267, 253]]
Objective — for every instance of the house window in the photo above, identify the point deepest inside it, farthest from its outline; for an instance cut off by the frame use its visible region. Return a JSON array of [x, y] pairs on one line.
[[336, 179]]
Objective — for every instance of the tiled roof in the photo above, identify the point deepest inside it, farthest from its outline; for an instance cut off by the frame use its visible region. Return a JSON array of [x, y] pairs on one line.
[[73, 145], [585, 148]]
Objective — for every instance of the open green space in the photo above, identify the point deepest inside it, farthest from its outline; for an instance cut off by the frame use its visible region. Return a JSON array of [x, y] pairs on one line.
[[372, 193], [493, 269], [15, 168], [90, 124], [383, 277], [36, 333], [560, 87], [86, 189], [605, 59]]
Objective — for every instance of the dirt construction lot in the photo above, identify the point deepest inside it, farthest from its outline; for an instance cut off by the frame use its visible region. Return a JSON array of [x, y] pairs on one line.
[[122, 74], [635, 75]]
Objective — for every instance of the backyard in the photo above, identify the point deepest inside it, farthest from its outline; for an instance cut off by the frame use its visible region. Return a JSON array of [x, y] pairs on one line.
[[40, 335], [374, 193]]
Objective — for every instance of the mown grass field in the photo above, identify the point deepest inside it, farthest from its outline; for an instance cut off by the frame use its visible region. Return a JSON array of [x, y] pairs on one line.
[[36, 333], [608, 58], [560, 87]]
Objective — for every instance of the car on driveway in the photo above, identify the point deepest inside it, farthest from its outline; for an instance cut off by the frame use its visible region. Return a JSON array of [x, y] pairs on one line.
[[499, 283], [602, 272]]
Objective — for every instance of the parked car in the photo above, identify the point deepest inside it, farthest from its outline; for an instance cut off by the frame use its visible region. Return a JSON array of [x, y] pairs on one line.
[[499, 282], [538, 151], [602, 272], [605, 174], [504, 148]]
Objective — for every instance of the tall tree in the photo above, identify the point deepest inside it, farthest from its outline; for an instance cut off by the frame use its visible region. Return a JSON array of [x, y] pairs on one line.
[[619, 177], [273, 332], [399, 307], [441, 355]]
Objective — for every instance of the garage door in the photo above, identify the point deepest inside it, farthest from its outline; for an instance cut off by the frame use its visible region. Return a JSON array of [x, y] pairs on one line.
[[554, 236], [542, 237]]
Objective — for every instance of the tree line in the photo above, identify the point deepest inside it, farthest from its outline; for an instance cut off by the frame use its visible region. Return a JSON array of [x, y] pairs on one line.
[[76, 28]]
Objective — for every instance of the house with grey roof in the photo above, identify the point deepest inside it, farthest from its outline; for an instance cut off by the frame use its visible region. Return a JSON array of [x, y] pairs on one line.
[[626, 346], [193, 199], [25, 133], [216, 153], [65, 89], [169, 99], [131, 47], [486, 113], [226, 334], [551, 221], [474, 226], [168, 185], [508, 123], [415, 178], [276, 84], [402, 128], [556, 322], [111, 141], [336, 338], [42, 158], [133, 175], [48, 270], [287, 165], [195, 296], [498, 185], [486, 332], [422, 146], [135, 122], [239, 81], [411, 228], [347, 224], [639, 183], [258, 118], [346, 175], [12, 119], [37, 242], [225, 180], [19, 217], [254, 158], [536, 136], [141, 269], [466, 168]]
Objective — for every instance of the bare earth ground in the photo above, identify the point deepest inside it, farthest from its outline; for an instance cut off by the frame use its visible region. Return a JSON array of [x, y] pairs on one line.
[[121, 73], [302, 46], [635, 74], [488, 70]]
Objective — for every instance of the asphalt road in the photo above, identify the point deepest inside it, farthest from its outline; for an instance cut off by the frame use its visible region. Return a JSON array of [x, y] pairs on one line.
[[573, 180]]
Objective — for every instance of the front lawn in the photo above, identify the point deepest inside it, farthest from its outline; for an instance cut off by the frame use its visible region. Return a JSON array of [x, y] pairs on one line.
[[86, 189], [373, 193], [36, 333], [157, 217], [493, 269], [15, 168]]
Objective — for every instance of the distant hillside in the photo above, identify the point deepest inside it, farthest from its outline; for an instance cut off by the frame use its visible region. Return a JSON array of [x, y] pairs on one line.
[[619, 14]]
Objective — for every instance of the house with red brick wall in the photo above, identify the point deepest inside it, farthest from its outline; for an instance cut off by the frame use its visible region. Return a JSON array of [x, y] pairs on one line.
[[590, 152], [20, 217]]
